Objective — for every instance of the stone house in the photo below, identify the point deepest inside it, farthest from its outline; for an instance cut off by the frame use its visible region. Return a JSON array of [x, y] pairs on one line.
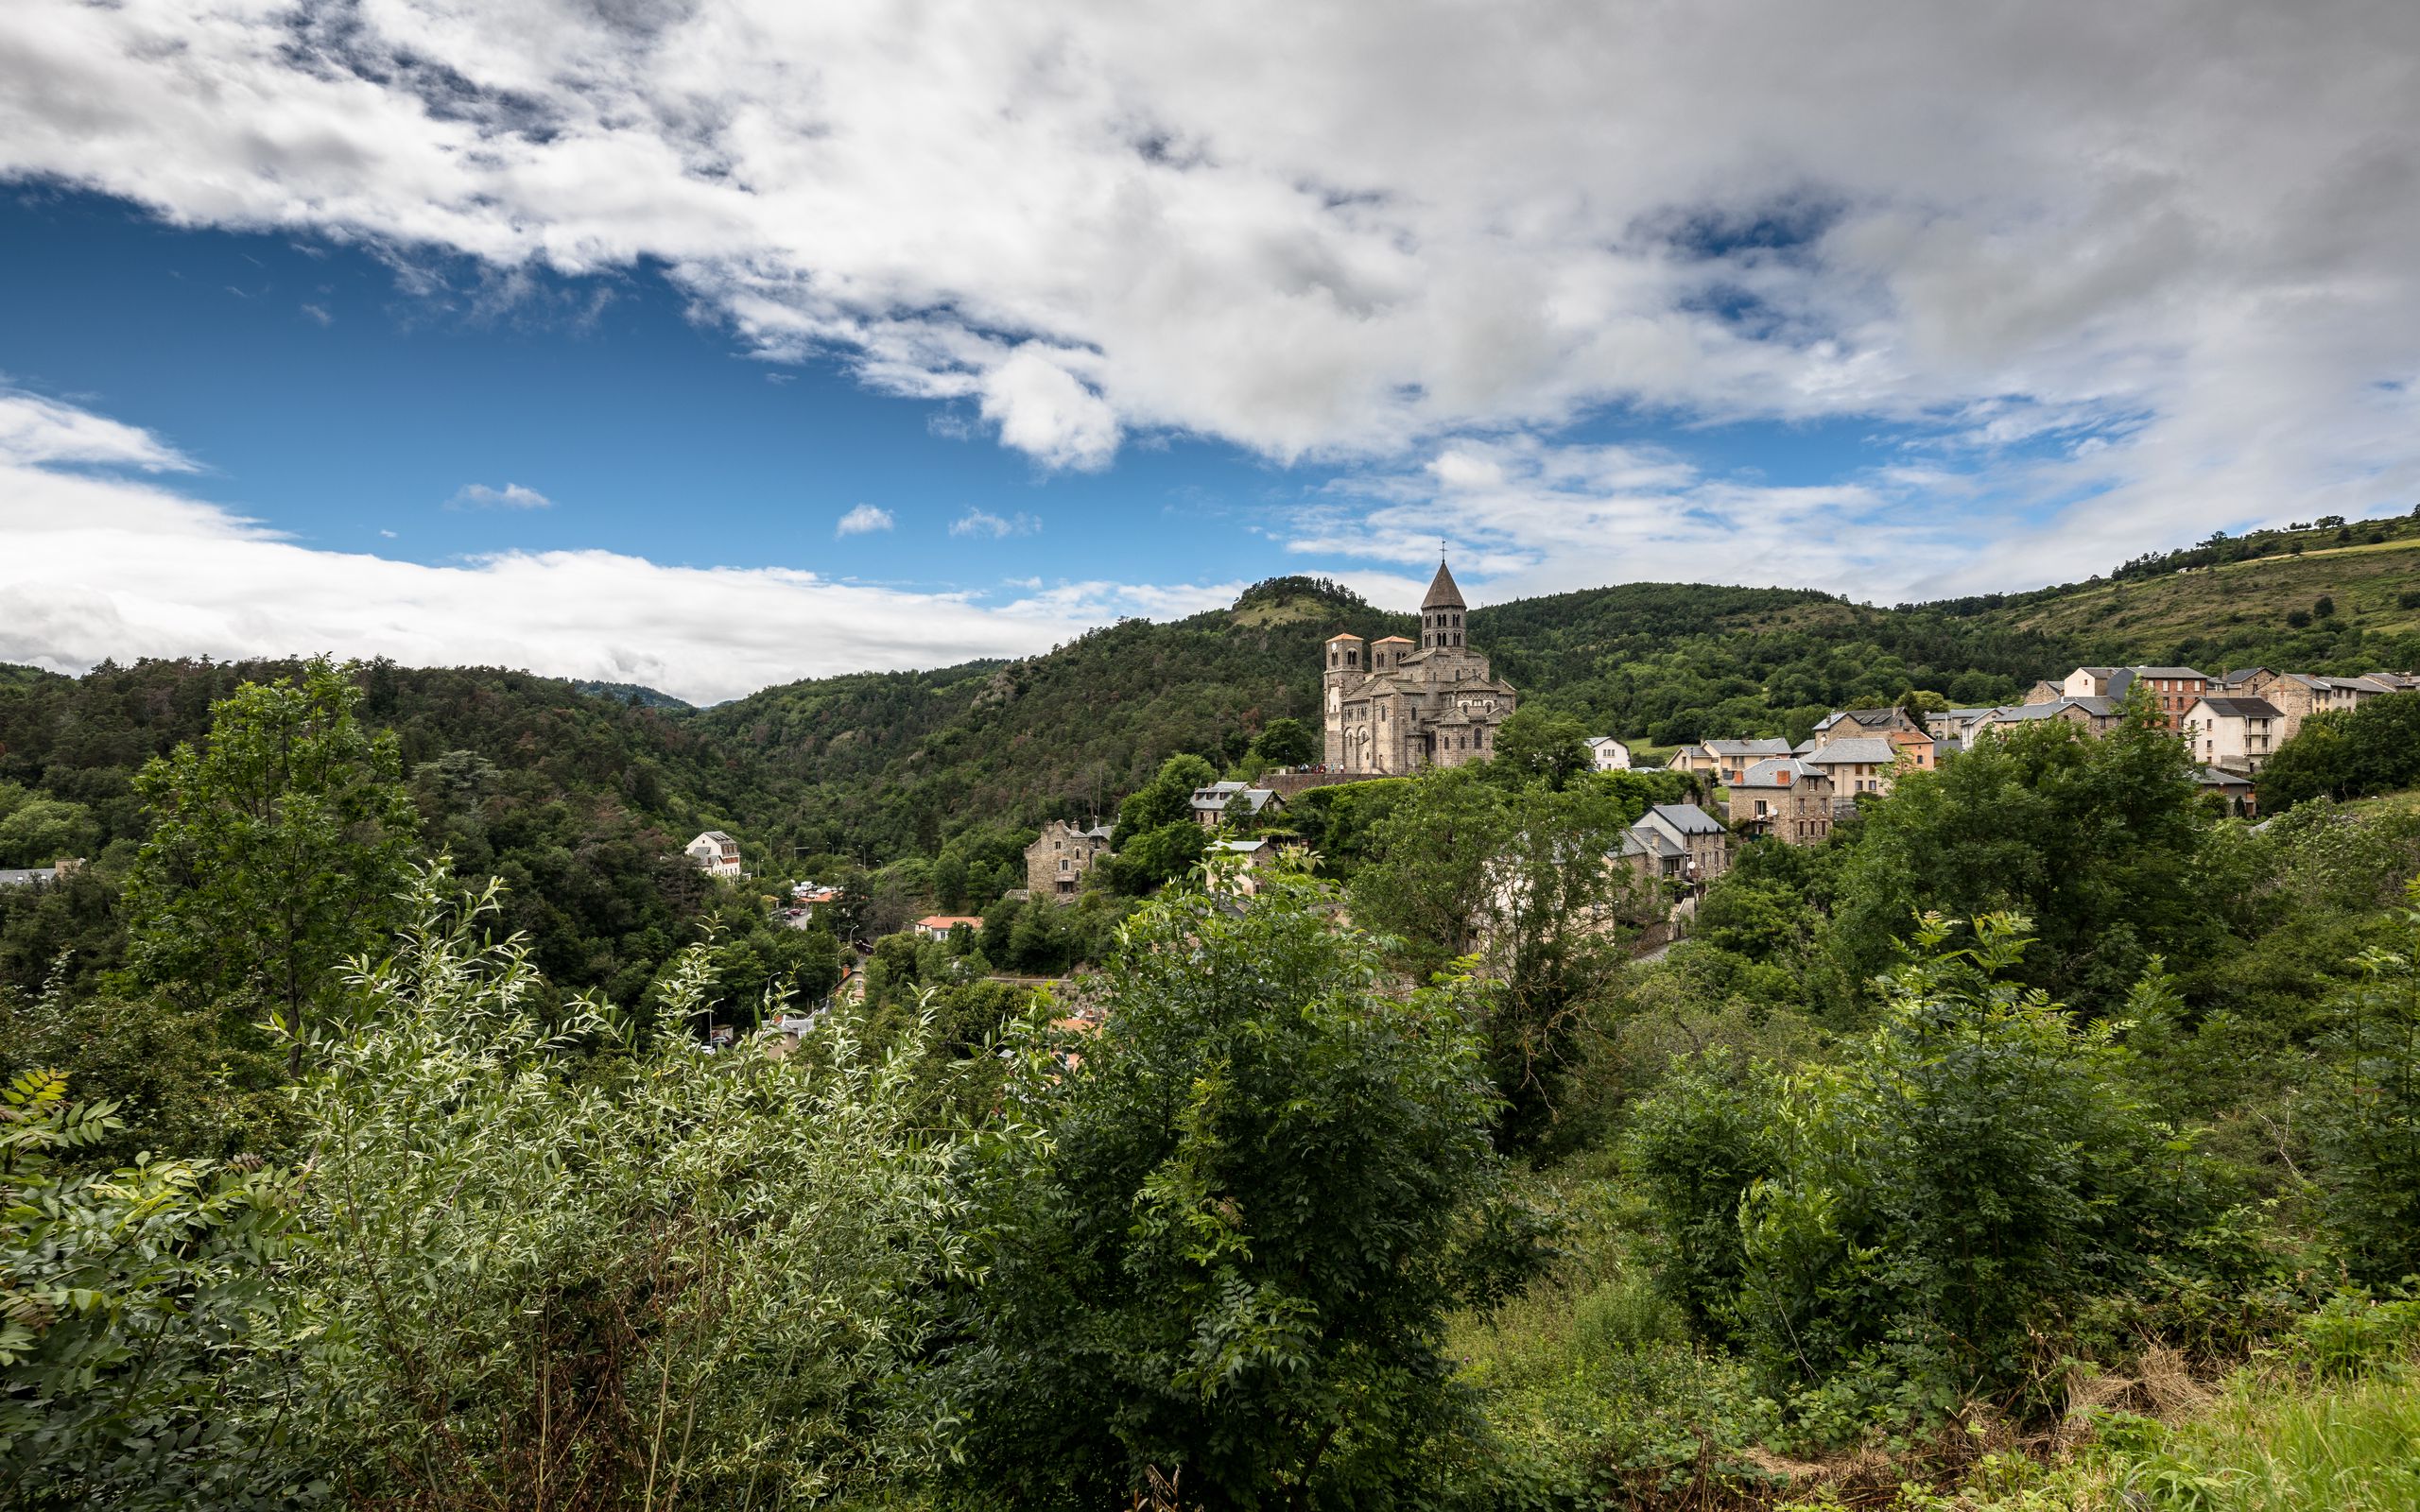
[[2298, 695], [1785, 798], [1734, 757], [2172, 689], [1063, 856], [1863, 764], [1220, 802], [1681, 841]]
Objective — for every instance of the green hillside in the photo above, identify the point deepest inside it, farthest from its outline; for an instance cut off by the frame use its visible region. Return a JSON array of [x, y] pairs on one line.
[[875, 767]]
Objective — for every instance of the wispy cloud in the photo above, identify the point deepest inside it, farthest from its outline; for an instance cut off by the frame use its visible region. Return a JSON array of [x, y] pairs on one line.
[[984, 523], [320, 313], [35, 431], [511, 496], [863, 520]]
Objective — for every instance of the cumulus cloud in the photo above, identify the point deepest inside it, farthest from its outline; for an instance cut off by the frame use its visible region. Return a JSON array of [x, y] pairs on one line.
[[984, 523], [863, 520], [1358, 230], [107, 562], [511, 496], [2154, 255]]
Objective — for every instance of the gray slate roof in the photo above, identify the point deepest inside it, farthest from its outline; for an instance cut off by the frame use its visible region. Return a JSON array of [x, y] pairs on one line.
[[1868, 748], [1761, 746], [1768, 773], [2242, 708], [1687, 817]]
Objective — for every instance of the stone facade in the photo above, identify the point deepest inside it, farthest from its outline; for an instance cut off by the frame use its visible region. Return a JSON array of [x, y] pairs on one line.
[[1785, 800], [1057, 863], [1390, 709]]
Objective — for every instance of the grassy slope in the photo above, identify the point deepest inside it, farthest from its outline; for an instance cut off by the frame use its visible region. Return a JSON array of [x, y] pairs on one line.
[[2244, 604]]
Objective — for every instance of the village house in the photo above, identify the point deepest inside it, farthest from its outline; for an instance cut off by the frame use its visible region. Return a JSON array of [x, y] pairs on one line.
[[1730, 758], [941, 926], [2298, 695], [1606, 754], [1063, 856], [2232, 790], [1391, 709], [1863, 764], [1913, 741], [715, 853], [2093, 716], [2238, 735], [1221, 802], [1679, 842], [1783, 797], [2173, 690], [1950, 728]]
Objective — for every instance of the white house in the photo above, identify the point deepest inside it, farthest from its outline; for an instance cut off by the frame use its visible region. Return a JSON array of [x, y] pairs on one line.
[[1607, 754], [715, 853], [2235, 734]]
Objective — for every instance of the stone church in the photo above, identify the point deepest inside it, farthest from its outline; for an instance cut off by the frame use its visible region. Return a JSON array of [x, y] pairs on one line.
[[1392, 708]]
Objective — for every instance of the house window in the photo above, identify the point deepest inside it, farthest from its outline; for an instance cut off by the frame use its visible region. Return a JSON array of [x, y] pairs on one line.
[[1063, 866]]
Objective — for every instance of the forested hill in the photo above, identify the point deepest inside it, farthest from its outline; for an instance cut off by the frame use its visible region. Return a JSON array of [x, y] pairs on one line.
[[881, 765], [885, 765]]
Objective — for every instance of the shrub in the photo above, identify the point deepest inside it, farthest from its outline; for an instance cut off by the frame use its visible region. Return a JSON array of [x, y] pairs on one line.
[[130, 1303], [1228, 1258], [2365, 1114], [575, 1260]]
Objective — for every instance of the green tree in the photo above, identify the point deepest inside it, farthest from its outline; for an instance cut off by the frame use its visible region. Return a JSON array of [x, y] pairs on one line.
[[2102, 841], [1285, 742], [1425, 880], [277, 851], [1552, 913], [1947, 1196], [1228, 1258], [36, 831], [2365, 1111], [572, 1262], [1532, 744]]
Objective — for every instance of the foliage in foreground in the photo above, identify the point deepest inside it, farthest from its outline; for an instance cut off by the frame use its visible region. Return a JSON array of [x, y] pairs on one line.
[[123, 1295], [1226, 1253], [639, 1275], [1917, 1222]]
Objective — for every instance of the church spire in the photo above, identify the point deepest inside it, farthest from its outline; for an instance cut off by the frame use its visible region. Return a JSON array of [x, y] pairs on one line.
[[1440, 613], [1443, 594]]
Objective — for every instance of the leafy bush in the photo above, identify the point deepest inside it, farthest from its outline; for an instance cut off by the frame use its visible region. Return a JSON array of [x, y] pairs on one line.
[[2366, 1112], [1227, 1256], [129, 1301], [572, 1260]]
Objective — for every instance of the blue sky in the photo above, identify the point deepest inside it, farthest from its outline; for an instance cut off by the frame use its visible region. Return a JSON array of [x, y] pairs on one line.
[[570, 336]]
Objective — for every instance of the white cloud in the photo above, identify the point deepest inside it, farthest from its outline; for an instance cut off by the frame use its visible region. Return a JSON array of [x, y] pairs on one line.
[[511, 496], [863, 520], [2154, 255], [984, 523], [318, 313], [36, 432], [100, 563], [1359, 231], [1522, 517]]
